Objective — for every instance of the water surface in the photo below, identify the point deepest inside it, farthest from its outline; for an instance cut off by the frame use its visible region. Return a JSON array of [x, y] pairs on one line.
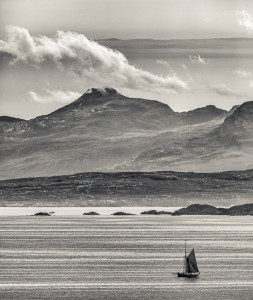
[[134, 257]]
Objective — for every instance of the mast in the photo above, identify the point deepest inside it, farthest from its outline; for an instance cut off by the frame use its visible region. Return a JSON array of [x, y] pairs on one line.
[[190, 268], [185, 258]]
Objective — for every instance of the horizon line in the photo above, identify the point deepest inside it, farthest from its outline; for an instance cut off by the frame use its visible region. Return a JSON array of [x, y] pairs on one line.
[[172, 39]]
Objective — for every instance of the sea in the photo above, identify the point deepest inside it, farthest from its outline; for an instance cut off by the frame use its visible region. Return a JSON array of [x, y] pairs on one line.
[[124, 257]]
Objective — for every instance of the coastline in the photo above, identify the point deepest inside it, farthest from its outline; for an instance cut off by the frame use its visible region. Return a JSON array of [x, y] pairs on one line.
[[78, 211]]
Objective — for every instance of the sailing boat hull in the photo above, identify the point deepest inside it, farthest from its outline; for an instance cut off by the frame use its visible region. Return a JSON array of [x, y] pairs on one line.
[[188, 275]]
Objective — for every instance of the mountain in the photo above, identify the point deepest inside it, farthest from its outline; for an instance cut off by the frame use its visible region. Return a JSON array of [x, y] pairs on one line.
[[104, 130], [10, 119], [225, 145], [202, 115], [96, 132], [237, 129], [112, 112], [130, 189]]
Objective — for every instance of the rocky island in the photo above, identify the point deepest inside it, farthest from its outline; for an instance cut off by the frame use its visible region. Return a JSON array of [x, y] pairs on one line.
[[44, 214], [205, 209], [155, 212], [121, 213], [91, 213]]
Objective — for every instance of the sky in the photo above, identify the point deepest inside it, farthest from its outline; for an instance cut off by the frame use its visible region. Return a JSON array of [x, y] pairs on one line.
[[158, 19], [52, 51]]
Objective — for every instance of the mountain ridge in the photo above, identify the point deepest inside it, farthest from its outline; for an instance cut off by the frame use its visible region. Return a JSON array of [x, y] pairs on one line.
[[104, 130], [202, 114], [98, 92]]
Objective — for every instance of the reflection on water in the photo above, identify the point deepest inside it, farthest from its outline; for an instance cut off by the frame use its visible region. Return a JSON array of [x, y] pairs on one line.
[[134, 257]]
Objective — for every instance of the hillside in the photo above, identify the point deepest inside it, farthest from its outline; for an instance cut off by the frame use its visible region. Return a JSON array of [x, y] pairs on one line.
[[10, 119], [130, 189], [225, 146]]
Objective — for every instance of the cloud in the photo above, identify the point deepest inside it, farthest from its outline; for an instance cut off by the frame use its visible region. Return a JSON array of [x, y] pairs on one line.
[[162, 62], [224, 90], [251, 83], [198, 59], [245, 20], [74, 53], [243, 73], [53, 96], [190, 78]]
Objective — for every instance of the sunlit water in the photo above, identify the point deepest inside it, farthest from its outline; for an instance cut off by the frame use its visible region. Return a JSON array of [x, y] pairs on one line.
[[134, 257]]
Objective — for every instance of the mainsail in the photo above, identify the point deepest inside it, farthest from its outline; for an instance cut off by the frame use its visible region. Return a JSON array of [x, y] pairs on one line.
[[191, 263]]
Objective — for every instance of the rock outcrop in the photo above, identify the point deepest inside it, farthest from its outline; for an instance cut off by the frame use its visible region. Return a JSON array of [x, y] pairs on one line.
[[91, 213], [121, 213], [44, 214]]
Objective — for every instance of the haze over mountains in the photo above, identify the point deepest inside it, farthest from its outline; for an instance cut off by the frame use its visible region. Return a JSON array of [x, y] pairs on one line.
[[106, 131]]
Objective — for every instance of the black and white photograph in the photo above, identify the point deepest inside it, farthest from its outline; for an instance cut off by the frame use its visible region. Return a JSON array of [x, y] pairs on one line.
[[126, 149]]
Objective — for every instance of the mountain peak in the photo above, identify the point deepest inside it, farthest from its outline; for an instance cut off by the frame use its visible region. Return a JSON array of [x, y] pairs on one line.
[[210, 106], [237, 128], [246, 106], [92, 97], [202, 114], [101, 92], [244, 112]]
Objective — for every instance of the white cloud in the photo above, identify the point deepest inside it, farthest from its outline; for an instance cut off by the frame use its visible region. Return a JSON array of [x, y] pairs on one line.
[[53, 96], [73, 52], [224, 90], [162, 62], [198, 59], [243, 73], [251, 83], [245, 20]]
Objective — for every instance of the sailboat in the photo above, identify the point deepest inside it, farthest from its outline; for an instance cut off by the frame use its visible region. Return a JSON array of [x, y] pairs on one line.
[[190, 268]]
